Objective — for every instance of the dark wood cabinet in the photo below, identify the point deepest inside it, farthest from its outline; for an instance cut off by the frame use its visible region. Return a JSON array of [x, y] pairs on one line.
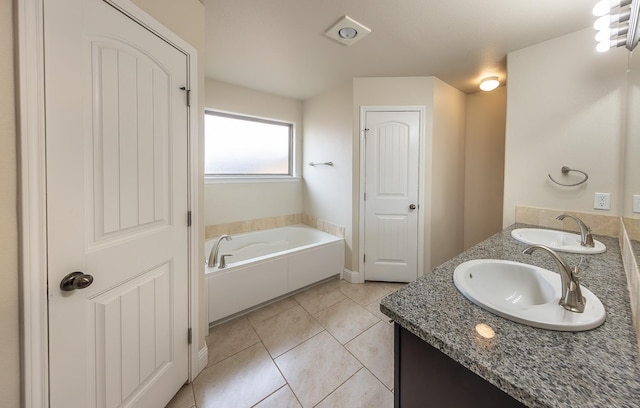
[[426, 377]]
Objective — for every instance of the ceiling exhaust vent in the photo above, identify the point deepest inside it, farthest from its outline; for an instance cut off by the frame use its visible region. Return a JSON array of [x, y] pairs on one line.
[[347, 31]]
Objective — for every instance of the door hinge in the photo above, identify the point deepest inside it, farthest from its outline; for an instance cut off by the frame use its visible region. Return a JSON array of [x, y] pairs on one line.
[[365, 196], [189, 335], [188, 91], [188, 218], [364, 258]]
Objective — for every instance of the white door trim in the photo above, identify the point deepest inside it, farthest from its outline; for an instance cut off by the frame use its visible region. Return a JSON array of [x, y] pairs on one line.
[[361, 277], [32, 196]]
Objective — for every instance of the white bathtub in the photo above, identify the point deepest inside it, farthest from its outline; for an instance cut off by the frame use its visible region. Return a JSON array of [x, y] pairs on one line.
[[268, 264]]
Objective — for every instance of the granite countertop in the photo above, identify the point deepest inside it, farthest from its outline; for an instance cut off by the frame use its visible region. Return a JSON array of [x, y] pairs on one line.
[[540, 368]]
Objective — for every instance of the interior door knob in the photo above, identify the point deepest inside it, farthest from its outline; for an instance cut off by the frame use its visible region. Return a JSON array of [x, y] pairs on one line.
[[412, 207], [76, 280]]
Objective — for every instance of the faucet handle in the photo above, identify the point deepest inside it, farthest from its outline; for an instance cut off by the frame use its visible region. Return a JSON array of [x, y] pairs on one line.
[[223, 260], [589, 242], [574, 284]]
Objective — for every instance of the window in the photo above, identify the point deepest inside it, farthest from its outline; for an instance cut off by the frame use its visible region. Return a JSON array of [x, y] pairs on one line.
[[237, 145]]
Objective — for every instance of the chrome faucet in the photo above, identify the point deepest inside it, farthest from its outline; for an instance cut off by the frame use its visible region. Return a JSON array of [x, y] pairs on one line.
[[586, 239], [571, 298], [213, 255]]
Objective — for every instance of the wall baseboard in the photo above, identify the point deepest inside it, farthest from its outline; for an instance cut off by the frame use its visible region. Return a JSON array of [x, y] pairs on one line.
[[203, 358], [352, 276]]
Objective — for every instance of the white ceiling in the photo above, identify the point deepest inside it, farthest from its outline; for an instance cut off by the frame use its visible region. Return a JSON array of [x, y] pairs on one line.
[[278, 46]]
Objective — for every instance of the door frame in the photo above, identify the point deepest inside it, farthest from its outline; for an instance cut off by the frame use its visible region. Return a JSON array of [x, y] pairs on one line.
[[361, 277], [32, 205]]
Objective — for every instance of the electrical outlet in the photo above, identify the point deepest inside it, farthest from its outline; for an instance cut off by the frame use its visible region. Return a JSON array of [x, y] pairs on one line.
[[602, 201], [636, 203]]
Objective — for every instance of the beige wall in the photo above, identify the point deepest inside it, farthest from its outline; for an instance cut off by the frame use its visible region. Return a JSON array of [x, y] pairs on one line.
[[632, 140], [484, 164], [565, 106], [230, 202], [447, 174], [9, 312], [326, 192], [227, 202]]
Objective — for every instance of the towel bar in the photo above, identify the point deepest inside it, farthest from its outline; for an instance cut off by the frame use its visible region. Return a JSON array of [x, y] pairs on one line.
[[566, 170]]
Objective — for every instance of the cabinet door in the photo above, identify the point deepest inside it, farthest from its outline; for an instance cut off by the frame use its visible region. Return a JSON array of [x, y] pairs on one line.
[[425, 377]]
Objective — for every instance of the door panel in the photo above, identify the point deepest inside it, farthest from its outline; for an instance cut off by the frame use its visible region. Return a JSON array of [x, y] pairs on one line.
[[131, 140], [117, 172], [391, 165], [133, 326], [392, 239], [391, 227]]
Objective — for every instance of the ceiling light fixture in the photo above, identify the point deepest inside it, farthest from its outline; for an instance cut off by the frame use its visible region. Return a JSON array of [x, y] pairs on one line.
[[617, 24], [489, 83], [347, 31]]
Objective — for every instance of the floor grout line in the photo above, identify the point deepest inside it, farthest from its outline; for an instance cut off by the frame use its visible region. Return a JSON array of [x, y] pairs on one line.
[[344, 382], [338, 288]]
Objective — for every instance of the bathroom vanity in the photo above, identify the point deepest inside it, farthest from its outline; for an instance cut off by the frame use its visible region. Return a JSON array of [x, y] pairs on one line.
[[450, 352]]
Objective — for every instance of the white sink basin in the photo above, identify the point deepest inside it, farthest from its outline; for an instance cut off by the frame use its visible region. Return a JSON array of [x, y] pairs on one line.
[[525, 294], [556, 240]]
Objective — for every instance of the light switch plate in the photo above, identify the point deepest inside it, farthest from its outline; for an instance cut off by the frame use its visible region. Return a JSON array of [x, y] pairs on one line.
[[636, 203]]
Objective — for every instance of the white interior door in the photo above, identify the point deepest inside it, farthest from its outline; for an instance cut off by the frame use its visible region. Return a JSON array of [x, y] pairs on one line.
[[117, 173], [391, 195]]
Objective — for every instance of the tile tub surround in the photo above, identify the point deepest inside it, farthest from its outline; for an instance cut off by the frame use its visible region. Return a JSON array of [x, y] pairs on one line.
[[239, 227], [541, 368], [600, 224]]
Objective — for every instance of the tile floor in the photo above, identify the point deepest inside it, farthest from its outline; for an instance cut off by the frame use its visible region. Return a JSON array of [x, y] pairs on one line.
[[329, 346]]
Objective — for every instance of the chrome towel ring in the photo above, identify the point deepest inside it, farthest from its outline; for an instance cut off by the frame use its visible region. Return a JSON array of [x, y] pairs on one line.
[[566, 170]]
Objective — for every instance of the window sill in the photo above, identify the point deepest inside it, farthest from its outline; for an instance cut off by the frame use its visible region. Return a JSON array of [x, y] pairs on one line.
[[241, 180]]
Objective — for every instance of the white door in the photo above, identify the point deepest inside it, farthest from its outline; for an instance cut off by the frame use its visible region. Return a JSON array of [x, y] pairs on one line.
[[117, 168], [391, 196]]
